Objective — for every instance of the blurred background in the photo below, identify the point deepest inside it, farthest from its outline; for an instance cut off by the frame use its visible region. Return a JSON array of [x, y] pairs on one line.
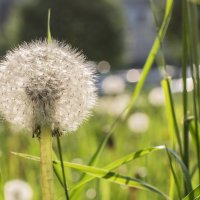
[[116, 35], [120, 32]]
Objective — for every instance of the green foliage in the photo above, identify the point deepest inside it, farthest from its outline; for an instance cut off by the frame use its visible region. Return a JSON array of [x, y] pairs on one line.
[[194, 195], [105, 173]]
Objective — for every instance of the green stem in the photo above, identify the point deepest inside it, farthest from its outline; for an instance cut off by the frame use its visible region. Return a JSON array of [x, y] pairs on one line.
[[62, 167], [46, 164]]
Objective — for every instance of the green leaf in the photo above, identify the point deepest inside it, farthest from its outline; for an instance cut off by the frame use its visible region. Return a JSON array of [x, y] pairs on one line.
[[185, 171], [104, 174], [176, 180], [194, 195], [62, 167], [58, 171], [171, 113], [121, 161]]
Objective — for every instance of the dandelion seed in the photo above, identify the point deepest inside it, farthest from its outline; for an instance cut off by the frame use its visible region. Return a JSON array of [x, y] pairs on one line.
[[91, 193], [156, 97], [46, 85], [113, 84], [138, 122], [17, 190], [113, 105]]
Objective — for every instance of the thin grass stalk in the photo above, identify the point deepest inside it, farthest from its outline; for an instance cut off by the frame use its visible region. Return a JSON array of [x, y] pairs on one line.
[[196, 49], [196, 121], [171, 113], [186, 174], [184, 77], [191, 45], [49, 27], [160, 59], [46, 164], [174, 175], [62, 167]]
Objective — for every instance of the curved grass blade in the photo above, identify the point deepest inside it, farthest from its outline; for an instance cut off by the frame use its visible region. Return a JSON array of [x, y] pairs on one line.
[[107, 174], [174, 176], [104, 174], [124, 160], [101, 173], [184, 169], [113, 177], [194, 195]]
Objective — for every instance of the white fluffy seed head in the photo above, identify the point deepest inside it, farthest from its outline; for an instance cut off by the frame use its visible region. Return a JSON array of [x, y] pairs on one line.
[[46, 85], [17, 190]]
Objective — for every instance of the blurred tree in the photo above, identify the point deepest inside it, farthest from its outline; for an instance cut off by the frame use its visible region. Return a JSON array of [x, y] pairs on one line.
[[93, 26], [173, 37]]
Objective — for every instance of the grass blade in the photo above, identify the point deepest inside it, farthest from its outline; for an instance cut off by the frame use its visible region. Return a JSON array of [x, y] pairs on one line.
[[183, 168], [174, 130], [119, 162], [62, 167], [184, 76], [193, 40], [113, 177], [194, 195], [58, 171], [174, 175], [48, 27], [104, 174]]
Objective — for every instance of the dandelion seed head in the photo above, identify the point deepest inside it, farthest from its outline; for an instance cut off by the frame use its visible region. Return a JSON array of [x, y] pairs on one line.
[[46, 85], [156, 97], [17, 190], [138, 122]]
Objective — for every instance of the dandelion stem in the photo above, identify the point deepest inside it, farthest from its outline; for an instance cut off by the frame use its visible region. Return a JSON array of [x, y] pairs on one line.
[[46, 164]]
